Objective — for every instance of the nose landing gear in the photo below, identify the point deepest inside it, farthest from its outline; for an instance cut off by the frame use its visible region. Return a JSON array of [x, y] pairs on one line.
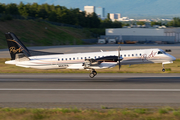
[[93, 73]]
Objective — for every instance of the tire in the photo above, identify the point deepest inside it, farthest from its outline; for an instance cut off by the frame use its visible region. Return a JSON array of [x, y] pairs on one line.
[[91, 75], [163, 70], [94, 73]]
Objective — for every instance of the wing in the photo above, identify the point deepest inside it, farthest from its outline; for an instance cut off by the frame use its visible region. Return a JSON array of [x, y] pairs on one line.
[[101, 63], [107, 59]]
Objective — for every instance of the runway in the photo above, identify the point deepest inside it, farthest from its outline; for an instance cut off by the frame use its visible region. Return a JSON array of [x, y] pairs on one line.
[[77, 90]]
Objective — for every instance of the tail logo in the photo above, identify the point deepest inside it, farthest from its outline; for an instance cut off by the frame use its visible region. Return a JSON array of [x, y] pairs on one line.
[[14, 50]]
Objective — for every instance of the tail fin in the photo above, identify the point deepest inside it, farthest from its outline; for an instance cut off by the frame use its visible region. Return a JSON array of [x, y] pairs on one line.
[[15, 46]]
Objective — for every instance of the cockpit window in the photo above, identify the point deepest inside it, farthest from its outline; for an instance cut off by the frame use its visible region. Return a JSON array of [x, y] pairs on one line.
[[161, 52]]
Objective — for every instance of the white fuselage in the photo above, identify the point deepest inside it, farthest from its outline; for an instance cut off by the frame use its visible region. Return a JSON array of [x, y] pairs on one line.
[[76, 60]]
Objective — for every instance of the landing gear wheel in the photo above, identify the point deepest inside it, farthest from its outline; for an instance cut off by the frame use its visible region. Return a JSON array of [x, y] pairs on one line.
[[163, 68], [94, 73], [91, 75]]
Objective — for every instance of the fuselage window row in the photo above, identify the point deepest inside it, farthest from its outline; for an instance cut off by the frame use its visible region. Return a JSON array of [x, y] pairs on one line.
[[62, 59]]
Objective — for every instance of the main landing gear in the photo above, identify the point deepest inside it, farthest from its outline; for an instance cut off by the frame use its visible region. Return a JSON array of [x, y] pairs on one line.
[[93, 73], [163, 68]]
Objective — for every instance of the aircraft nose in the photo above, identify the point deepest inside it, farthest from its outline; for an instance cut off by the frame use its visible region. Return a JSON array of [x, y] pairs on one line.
[[173, 58]]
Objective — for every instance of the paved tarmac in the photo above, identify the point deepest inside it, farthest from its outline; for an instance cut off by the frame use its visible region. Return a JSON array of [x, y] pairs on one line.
[[78, 90], [4, 53]]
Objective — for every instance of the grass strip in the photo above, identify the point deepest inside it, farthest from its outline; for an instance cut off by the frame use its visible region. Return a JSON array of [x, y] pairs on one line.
[[138, 68], [89, 114]]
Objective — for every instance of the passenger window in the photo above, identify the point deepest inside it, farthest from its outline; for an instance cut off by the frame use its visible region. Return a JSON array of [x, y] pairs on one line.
[[66, 58], [89, 57], [128, 55], [121, 55], [140, 54], [73, 58], [95, 57], [132, 54], [69, 58], [77, 58], [62, 59], [124, 55], [136, 54], [81, 58]]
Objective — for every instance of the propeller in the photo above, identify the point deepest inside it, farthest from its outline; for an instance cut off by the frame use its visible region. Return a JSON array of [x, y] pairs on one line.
[[119, 55]]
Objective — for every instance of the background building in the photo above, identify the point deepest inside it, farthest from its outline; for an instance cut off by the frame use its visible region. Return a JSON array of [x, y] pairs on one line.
[[168, 35], [136, 31], [100, 12], [115, 16], [89, 9], [173, 32]]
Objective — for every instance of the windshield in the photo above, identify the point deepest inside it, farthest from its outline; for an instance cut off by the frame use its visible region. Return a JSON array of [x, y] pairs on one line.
[[161, 52]]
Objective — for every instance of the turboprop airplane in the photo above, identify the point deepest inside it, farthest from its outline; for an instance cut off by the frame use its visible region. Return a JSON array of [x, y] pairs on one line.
[[21, 56]]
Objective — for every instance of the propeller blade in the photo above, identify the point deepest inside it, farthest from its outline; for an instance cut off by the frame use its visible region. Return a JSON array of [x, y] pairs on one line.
[[119, 54]]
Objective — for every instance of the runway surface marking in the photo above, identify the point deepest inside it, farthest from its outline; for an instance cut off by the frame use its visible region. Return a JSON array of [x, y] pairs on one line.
[[149, 90]]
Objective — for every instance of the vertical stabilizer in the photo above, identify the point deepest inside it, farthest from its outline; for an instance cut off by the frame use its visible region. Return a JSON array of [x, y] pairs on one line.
[[15, 46]]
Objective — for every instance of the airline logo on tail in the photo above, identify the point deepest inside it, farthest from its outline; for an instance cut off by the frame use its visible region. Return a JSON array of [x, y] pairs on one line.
[[14, 50]]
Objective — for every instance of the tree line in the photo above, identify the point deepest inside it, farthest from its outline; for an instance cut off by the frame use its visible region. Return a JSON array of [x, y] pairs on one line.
[[175, 22], [57, 13]]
